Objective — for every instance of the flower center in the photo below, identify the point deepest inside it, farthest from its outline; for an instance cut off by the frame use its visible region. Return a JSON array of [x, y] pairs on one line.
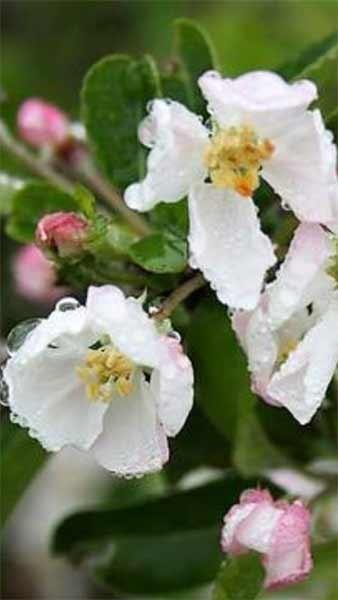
[[234, 158], [285, 350], [105, 371]]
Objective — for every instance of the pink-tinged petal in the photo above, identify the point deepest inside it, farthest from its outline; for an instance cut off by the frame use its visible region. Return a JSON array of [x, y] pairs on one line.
[[172, 386], [232, 520], [227, 244], [125, 321], [177, 140], [256, 496], [309, 251], [42, 124], [302, 169], [288, 559], [240, 320], [238, 515], [257, 98], [133, 442], [301, 382], [255, 531]]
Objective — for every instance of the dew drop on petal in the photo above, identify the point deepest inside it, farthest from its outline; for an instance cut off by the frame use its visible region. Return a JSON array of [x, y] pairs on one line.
[[175, 335], [3, 390], [67, 304], [18, 335]]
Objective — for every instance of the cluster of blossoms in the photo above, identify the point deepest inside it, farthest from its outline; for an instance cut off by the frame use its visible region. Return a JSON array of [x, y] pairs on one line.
[[260, 127], [105, 378]]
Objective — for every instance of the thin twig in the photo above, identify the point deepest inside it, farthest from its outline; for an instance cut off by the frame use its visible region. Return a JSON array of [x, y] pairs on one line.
[[104, 189], [33, 162], [178, 295]]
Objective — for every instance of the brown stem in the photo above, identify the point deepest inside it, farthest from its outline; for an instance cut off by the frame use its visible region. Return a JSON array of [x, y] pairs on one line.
[[104, 189], [33, 162], [178, 295]]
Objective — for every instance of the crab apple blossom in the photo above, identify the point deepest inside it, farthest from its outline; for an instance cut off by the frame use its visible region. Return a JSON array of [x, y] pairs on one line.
[[291, 337], [34, 276], [42, 124], [278, 530], [63, 232], [103, 378], [260, 126]]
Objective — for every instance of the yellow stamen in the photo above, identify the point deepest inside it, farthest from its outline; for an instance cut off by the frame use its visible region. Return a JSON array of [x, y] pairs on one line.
[[105, 371], [234, 158], [285, 350]]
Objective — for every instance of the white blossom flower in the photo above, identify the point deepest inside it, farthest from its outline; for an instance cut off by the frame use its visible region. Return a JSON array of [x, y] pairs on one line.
[[291, 337], [260, 125], [102, 378]]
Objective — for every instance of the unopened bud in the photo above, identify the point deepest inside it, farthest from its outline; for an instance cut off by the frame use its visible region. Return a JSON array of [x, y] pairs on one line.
[[35, 277], [41, 124], [64, 233]]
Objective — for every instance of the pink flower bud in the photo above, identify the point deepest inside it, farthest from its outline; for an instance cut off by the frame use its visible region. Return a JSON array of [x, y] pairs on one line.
[[63, 232], [42, 124], [280, 531], [35, 277]]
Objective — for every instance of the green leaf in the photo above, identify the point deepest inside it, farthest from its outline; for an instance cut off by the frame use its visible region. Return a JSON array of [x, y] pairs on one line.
[[222, 380], [196, 55], [163, 564], [20, 459], [160, 253], [319, 63], [31, 203], [171, 217], [223, 388], [239, 578], [163, 544], [84, 199], [114, 96], [191, 510]]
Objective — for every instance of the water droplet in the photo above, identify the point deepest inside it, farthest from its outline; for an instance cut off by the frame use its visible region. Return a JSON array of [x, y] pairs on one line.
[[4, 393], [175, 335], [19, 334], [67, 304]]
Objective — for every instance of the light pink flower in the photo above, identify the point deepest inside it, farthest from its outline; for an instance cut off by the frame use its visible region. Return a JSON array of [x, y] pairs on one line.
[[42, 124], [280, 531], [290, 338], [34, 276], [63, 232]]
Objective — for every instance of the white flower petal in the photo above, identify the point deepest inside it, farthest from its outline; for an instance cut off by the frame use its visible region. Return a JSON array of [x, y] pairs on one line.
[[302, 169], [227, 244], [256, 530], [128, 325], [178, 139], [254, 98], [133, 442], [301, 383], [172, 386], [46, 395], [261, 349], [308, 253]]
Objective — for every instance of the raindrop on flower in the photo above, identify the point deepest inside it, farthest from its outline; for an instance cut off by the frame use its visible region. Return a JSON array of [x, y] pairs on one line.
[[67, 304], [176, 336], [19, 334], [3, 389]]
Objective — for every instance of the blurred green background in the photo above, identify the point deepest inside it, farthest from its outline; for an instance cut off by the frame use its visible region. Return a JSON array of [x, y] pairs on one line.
[[47, 47]]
